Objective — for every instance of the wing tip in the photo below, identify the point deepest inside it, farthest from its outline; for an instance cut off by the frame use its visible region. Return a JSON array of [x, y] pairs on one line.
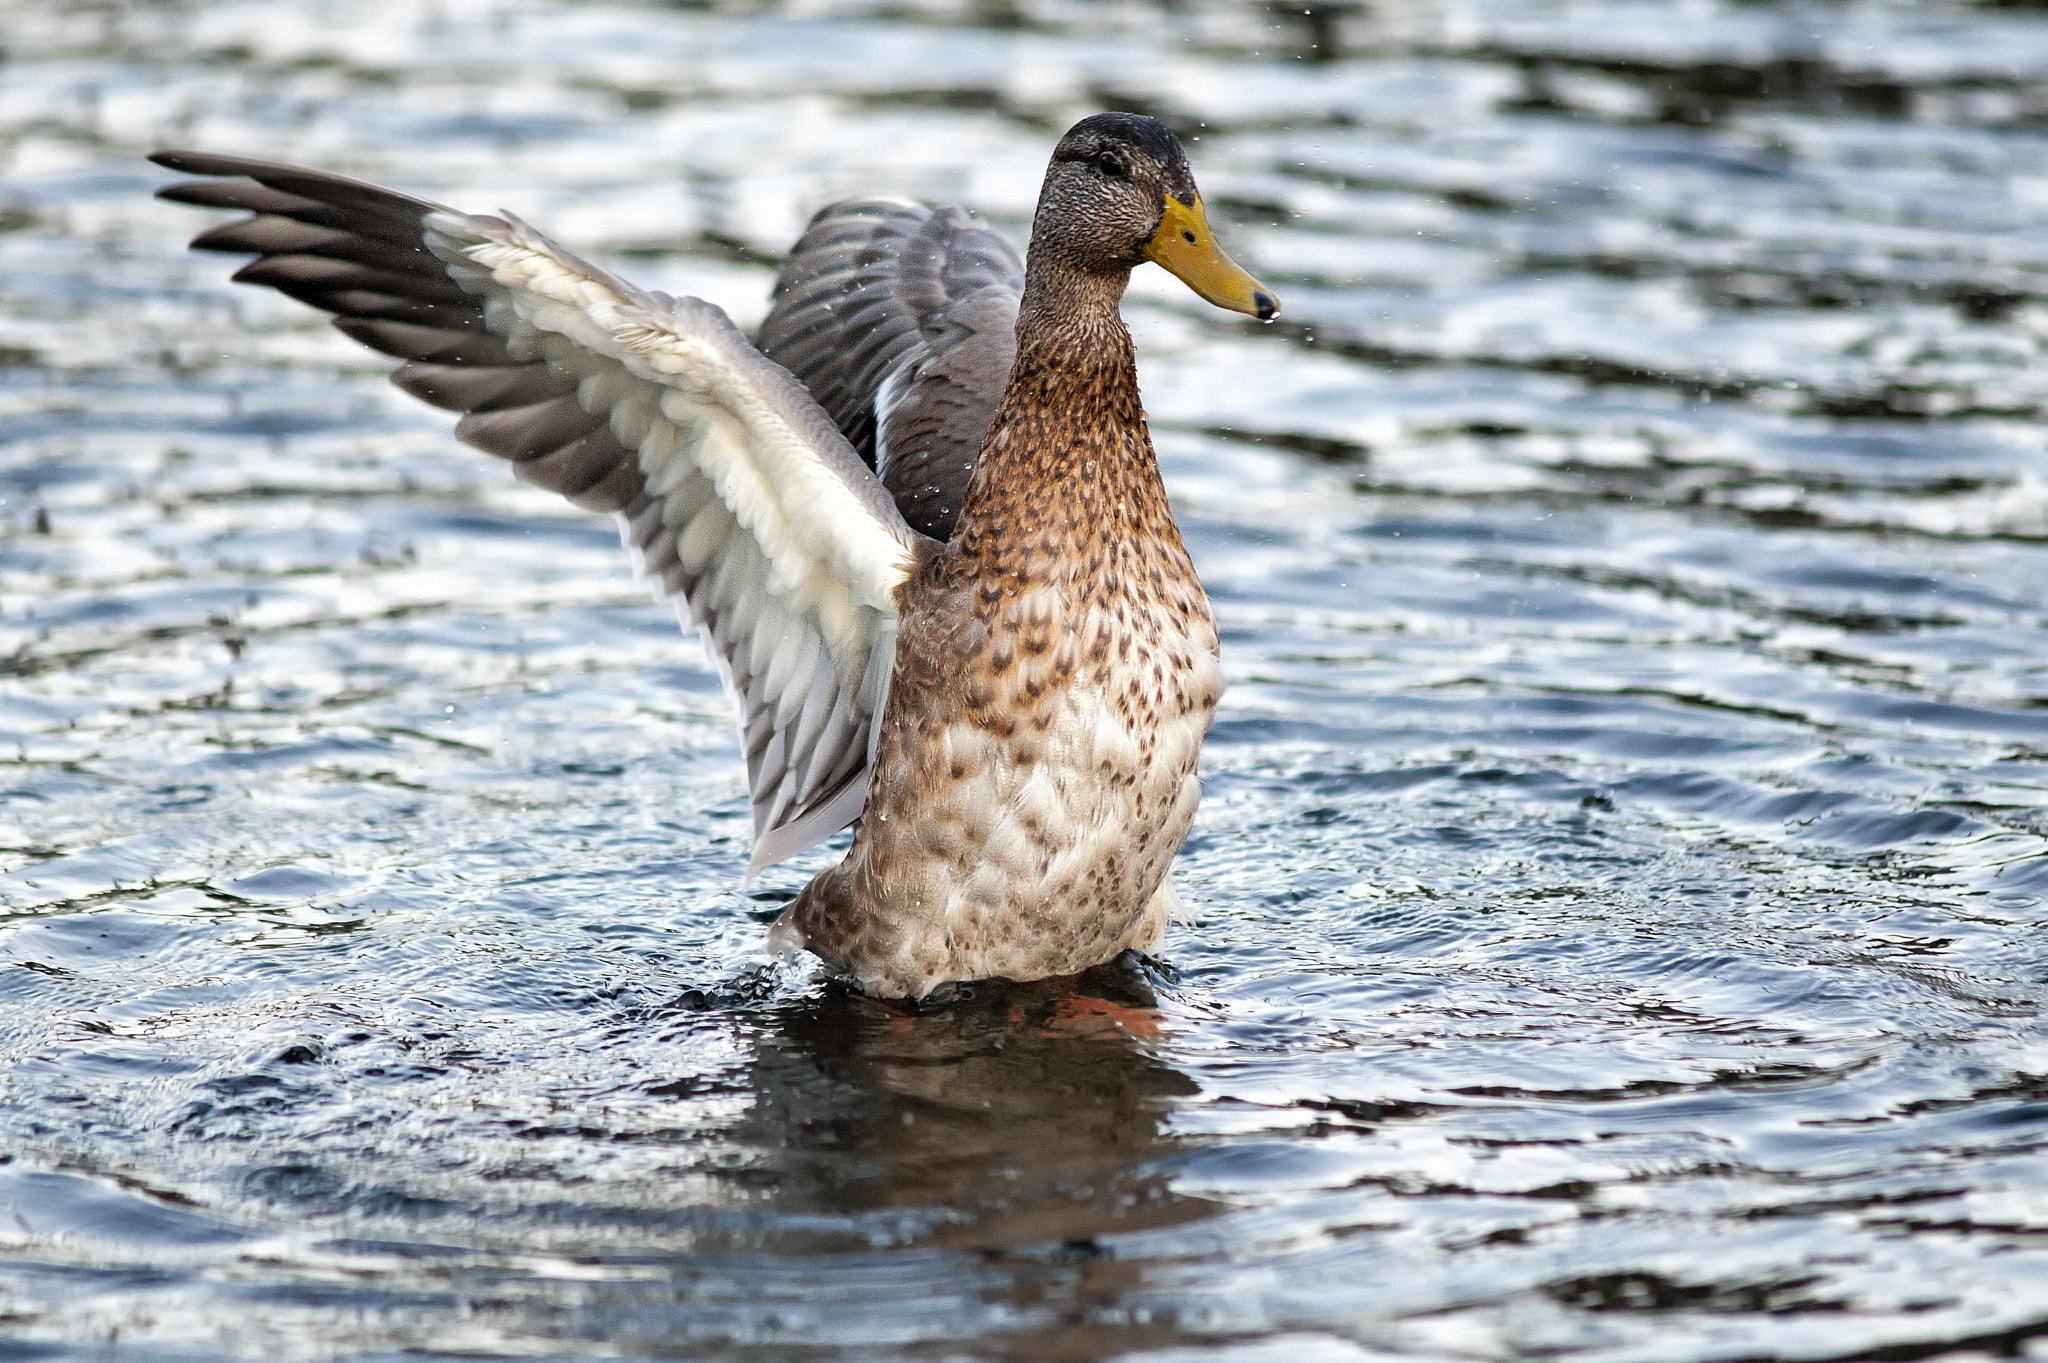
[[183, 159], [809, 829]]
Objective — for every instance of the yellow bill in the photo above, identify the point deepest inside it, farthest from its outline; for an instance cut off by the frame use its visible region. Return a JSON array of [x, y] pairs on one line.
[[1187, 248]]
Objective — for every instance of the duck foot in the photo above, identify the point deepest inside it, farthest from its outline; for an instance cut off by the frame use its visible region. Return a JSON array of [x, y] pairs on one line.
[[1130, 978], [941, 998], [1154, 970]]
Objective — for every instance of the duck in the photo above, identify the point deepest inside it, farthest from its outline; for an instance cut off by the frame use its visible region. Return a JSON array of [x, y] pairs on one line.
[[918, 521]]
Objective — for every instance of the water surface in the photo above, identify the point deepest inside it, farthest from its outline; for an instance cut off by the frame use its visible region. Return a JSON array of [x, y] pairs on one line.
[[1619, 889]]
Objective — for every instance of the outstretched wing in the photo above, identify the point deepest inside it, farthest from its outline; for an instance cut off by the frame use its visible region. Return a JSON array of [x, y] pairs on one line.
[[902, 321], [734, 491]]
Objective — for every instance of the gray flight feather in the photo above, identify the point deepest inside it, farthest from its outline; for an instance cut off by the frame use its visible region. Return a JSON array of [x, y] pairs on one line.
[[902, 321]]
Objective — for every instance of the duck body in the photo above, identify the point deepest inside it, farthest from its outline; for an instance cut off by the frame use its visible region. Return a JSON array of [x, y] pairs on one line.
[[921, 527], [1056, 670]]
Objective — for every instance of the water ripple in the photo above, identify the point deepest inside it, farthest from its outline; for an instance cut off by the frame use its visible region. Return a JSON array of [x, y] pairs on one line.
[[1618, 893]]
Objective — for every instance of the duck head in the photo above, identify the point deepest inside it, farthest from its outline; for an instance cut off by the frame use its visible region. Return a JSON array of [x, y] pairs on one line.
[[1119, 192]]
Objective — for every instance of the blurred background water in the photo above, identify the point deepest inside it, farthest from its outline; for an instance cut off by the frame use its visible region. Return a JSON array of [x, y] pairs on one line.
[[1620, 886]]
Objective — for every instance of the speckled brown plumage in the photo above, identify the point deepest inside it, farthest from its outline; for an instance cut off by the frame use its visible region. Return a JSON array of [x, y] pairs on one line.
[[1055, 671]]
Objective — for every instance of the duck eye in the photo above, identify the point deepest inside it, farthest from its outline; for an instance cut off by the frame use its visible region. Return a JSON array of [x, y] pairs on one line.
[[1108, 164]]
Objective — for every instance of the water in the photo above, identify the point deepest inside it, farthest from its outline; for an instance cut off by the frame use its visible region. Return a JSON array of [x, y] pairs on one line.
[[1620, 885]]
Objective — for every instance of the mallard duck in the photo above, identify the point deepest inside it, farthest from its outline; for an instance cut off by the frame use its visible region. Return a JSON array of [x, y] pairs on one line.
[[921, 525]]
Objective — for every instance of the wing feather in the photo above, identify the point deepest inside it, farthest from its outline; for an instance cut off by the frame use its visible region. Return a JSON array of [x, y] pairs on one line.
[[735, 494], [522, 433], [902, 323], [809, 723], [479, 389]]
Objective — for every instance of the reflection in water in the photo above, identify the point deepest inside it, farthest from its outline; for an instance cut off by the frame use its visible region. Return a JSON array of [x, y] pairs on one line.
[[1018, 1128], [1020, 1117]]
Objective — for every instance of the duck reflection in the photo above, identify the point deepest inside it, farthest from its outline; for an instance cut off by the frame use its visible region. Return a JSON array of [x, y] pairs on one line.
[[1020, 1118]]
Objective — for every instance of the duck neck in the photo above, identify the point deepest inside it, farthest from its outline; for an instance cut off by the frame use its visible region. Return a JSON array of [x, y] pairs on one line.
[[1061, 299], [1067, 457], [1074, 356]]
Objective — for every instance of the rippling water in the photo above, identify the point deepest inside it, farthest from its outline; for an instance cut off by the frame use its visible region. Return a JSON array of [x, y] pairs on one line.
[[1620, 885]]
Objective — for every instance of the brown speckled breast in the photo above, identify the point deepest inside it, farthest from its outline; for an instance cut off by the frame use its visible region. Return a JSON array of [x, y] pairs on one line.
[[1055, 672]]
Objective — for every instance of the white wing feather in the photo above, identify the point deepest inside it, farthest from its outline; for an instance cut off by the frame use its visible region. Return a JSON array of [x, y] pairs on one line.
[[759, 519]]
